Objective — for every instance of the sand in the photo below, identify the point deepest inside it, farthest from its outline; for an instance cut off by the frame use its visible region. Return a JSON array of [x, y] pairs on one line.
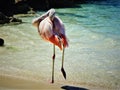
[[12, 83]]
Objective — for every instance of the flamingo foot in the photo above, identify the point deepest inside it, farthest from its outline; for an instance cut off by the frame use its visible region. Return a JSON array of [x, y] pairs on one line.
[[63, 72], [52, 82]]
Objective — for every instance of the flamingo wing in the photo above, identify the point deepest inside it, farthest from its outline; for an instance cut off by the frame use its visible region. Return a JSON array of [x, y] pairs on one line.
[[46, 28], [59, 30]]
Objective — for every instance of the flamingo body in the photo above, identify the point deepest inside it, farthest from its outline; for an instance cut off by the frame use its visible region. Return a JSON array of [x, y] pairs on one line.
[[53, 32]]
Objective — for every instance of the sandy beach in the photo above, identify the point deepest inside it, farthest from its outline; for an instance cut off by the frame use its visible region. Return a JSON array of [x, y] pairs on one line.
[[15, 83], [8, 83], [12, 83]]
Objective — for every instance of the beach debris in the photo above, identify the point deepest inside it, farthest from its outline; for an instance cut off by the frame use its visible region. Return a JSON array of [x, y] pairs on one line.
[[13, 19]]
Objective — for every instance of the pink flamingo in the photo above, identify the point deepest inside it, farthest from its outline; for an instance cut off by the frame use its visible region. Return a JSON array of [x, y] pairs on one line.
[[51, 28]]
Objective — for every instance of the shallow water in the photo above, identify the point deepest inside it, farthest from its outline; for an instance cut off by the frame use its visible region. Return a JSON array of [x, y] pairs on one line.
[[93, 55]]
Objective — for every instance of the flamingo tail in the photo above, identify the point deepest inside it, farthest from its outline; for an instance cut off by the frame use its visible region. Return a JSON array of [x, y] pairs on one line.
[[59, 41], [53, 39], [64, 41]]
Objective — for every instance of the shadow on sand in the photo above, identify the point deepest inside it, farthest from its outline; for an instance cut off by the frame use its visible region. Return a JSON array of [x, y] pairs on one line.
[[66, 87]]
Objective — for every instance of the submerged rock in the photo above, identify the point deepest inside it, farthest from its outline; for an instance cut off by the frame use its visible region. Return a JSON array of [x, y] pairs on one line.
[[1, 42]]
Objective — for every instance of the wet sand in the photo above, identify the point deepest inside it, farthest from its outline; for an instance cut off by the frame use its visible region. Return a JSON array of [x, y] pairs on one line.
[[8, 82], [14, 83]]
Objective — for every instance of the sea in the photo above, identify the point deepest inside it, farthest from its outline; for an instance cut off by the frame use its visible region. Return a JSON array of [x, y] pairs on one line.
[[93, 55]]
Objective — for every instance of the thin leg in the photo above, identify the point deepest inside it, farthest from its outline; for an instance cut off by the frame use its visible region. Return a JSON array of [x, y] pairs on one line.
[[62, 69], [53, 58]]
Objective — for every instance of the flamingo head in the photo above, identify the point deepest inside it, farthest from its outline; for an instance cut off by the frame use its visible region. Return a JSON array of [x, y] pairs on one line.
[[35, 22]]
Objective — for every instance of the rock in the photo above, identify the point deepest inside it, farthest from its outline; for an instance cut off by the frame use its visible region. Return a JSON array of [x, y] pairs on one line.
[[21, 7], [7, 7], [1, 42], [3, 18], [31, 11]]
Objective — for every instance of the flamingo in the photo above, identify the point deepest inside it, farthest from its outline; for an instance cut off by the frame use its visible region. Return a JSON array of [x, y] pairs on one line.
[[51, 28]]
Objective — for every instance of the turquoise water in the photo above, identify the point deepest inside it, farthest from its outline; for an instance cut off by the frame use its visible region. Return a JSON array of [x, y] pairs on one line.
[[92, 58]]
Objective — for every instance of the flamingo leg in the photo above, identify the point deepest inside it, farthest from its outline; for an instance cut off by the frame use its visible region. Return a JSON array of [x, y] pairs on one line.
[[53, 60], [62, 68]]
